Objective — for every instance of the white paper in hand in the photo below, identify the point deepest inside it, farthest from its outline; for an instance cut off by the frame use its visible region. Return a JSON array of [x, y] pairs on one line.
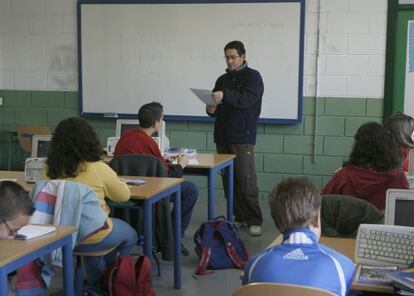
[[204, 95]]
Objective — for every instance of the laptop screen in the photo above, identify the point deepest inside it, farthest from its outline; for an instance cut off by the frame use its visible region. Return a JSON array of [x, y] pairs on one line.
[[125, 127], [404, 210]]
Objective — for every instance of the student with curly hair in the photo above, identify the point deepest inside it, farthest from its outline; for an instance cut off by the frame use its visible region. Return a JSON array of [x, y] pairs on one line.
[[401, 127], [75, 155], [373, 167]]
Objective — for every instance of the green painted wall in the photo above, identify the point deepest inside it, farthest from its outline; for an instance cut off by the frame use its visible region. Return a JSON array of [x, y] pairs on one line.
[[281, 151]]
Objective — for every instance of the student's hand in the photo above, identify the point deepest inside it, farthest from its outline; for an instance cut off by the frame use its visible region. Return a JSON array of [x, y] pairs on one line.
[[211, 108], [168, 158], [182, 160], [4, 232], [217, 96]]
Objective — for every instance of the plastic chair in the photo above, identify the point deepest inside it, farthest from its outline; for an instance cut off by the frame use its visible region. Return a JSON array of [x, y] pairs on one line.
[[272, 289], [79, 272], [25, 134], [341, 215]]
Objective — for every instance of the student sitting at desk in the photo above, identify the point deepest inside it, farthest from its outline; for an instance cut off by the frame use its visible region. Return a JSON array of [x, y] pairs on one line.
[[75, 155], [373, 167], [139, 141], [401, 127], [295, 206], [15, 209]]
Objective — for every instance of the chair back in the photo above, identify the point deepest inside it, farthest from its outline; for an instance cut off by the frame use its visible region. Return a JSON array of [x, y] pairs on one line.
[[341, 215], [272, 289], [138, 165], [62, 202], [148, 166], [25, 134]]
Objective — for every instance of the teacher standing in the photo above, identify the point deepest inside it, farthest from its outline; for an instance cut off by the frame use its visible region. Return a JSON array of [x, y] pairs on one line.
[[239, 93]]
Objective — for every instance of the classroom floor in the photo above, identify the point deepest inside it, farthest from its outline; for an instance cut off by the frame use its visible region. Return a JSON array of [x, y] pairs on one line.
[[221, 282], [218, 283]]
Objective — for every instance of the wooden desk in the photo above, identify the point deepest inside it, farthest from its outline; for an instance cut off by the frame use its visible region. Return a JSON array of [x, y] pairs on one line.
[[346, 246], [209, 164], [19, 176], [17, 253], [151, 192]]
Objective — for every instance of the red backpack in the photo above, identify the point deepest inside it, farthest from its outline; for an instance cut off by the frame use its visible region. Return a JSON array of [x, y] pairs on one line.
[[129, 278]]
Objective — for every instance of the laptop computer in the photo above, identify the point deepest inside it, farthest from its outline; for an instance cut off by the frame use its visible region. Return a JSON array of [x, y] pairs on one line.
[[399, 207]]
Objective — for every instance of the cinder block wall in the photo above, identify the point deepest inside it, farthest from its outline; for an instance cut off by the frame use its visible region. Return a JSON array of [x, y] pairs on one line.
[[38, 82], [281, 151]]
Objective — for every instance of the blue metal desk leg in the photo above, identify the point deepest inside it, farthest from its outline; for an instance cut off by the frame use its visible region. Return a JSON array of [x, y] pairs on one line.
[[211, 201], [148, 228], [3, 283], [68, 266], [230, 176], [177, 235]]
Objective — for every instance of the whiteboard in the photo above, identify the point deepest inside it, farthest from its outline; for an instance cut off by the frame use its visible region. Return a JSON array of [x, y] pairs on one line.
[[409, 71], [134, 53]]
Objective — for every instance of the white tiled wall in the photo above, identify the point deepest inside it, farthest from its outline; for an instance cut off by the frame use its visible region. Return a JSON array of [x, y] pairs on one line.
[[38, 46], [352, 48]]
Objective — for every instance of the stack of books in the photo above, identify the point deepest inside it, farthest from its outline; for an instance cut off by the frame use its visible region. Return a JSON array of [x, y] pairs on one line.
[[174, 152], [403, 281], [374, 275]]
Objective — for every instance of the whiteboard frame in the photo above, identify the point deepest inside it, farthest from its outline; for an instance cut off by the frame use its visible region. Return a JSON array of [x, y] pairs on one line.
[[286, 121]]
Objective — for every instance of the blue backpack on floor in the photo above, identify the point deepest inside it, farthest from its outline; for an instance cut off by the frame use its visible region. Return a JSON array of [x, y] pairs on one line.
[[218, 245]]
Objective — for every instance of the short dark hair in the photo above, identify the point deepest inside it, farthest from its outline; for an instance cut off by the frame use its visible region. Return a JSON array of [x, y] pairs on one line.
[[73, 143], [149, 114], [14, 200], [237, 45], [401, 127], [374, 148], [294, 203]]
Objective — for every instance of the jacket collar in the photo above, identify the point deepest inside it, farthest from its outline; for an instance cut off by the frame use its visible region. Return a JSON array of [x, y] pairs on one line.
[[299, 236], [242, 66]]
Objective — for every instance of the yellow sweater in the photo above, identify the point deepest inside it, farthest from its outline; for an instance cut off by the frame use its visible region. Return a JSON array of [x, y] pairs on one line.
[[104, 181]]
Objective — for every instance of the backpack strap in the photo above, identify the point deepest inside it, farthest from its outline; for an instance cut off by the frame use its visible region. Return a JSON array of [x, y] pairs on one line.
[[208, 230], [143, 277], [224, 230], [110, 277]]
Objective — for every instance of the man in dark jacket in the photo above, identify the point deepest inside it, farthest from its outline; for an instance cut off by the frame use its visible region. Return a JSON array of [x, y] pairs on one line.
[[238, 94]]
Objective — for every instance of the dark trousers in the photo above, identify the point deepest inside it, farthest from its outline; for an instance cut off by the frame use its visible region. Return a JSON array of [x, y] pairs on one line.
[[189, 195], [246, 194]]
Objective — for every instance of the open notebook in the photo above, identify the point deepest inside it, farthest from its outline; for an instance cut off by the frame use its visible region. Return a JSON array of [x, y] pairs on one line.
[[31, 231]]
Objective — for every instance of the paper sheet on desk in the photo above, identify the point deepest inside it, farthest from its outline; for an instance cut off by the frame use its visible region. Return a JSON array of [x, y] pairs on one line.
[[12, 180], [193, 161], [204, 95], [31, 231]]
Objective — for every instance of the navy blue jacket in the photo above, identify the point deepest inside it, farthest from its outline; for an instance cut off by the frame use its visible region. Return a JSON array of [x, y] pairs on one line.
[[236, 117]]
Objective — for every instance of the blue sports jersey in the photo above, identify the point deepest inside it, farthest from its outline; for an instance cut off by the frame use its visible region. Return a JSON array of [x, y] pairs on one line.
[[300, 260]]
